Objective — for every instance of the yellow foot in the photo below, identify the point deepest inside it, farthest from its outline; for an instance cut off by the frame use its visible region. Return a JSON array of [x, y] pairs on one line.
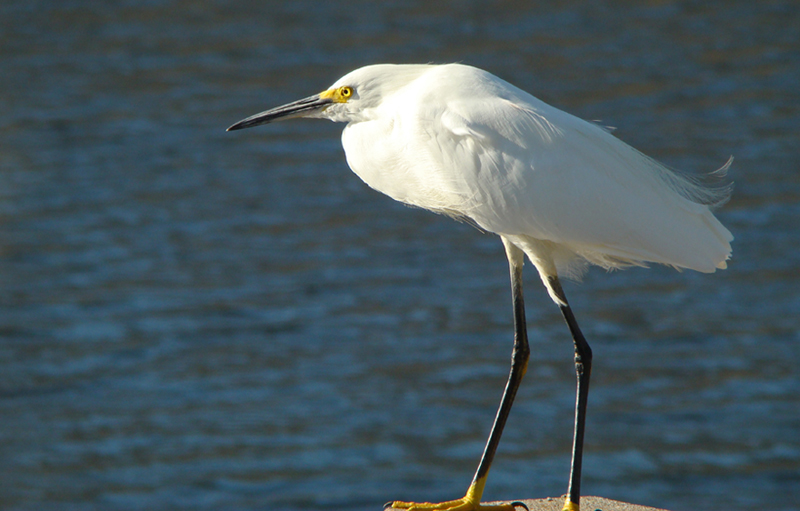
[[570, 506], [462, 504]]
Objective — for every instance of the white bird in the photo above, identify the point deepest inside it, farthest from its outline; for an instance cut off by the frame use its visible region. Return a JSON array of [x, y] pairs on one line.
[[459, 141]]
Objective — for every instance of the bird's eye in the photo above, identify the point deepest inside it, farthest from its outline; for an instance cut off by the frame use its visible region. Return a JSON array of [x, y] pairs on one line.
[[346, 92]]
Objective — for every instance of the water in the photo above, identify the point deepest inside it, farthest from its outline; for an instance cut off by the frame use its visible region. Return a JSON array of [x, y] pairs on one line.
[[194, 319]]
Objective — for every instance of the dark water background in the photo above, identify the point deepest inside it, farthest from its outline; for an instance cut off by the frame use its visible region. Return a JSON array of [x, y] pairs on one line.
[[194, 319]]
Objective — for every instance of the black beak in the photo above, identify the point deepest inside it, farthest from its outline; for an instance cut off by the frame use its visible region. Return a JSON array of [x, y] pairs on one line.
[[299, 108]]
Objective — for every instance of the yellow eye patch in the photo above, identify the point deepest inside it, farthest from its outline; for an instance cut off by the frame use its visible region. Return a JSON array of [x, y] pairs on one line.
[[340, 95]]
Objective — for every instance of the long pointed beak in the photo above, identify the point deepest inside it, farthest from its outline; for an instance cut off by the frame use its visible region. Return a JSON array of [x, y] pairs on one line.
[[299, 108]]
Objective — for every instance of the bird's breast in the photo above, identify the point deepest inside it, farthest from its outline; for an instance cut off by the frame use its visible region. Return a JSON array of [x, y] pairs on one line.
[[396, 160]]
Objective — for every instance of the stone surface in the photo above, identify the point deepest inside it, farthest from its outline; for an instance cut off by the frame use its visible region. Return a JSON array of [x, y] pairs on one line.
[[587, 504]]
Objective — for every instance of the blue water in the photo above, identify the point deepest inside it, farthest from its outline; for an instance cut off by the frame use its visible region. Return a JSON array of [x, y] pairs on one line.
[[194, 319]]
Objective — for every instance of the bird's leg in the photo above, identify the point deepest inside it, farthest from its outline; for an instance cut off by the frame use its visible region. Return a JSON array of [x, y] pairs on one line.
[[519, 364], [583, 369]]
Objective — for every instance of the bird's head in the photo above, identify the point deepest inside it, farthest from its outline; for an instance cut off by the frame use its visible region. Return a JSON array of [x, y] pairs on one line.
[[349, 99]]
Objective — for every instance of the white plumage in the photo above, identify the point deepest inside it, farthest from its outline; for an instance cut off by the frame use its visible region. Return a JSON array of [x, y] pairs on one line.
[[457, 140], [461, 142]]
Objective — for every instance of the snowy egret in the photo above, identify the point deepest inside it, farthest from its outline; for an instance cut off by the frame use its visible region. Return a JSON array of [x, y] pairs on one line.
[[461, 142]]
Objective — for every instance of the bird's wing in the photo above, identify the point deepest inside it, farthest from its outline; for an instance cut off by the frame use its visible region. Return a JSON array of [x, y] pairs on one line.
[[530, 169]]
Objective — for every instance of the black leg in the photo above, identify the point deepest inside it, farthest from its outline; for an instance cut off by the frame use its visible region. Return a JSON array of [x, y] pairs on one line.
[[519, 364], [583, 369]]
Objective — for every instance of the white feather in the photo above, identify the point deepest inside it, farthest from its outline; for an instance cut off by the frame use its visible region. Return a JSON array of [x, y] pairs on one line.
[[456, 140]]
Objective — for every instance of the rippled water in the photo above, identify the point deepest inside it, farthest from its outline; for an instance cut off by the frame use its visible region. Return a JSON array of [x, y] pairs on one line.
[[194, 319]]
